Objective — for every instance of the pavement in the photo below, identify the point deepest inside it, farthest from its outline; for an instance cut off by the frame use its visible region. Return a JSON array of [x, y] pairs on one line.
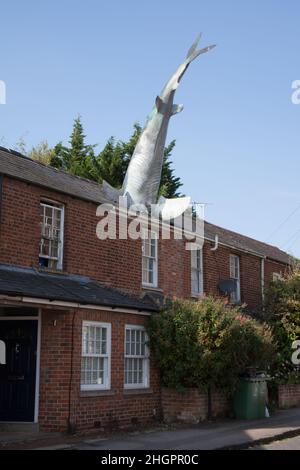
[[227, 434], [292, 443]]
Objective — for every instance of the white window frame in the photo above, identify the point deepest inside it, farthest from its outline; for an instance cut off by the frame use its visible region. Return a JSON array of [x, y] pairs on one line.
[[145, 357], [107, 369], [59, 258], [148, 236], [236, 276], [276, 276], [198, 269]]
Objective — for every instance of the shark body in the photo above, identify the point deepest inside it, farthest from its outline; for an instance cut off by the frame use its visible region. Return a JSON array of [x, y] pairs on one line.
[[142, 179]]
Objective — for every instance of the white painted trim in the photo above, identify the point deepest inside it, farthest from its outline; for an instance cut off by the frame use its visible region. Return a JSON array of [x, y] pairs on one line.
[[106, 386], [61, 303], [38, 365], [37, 318]]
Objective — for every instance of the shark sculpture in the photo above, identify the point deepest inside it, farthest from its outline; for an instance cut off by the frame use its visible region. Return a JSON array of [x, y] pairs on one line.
[[142, 179]]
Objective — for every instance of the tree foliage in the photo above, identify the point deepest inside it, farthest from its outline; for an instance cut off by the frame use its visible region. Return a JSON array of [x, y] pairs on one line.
[[207, 344], [41, 153], [282, 311], [112, 162]]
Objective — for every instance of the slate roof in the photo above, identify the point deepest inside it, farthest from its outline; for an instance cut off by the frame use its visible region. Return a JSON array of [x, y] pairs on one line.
[[29, 282], [18, 166], [15, 164], [238, 241]]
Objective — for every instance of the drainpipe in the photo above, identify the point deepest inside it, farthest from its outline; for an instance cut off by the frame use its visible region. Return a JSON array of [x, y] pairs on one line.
[[215, 247]]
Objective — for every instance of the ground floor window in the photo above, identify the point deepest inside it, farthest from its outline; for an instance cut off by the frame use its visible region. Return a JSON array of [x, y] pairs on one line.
[[96, 352], [136, 357]]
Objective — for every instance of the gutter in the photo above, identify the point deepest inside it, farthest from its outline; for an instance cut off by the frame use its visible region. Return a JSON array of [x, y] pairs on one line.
[[33, 301]]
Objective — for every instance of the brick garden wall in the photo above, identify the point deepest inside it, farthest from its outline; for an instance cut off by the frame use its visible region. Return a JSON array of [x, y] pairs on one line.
[[288, 396], [191, 406]]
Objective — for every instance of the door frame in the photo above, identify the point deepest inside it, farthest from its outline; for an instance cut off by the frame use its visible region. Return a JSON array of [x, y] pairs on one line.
[[37, 318]]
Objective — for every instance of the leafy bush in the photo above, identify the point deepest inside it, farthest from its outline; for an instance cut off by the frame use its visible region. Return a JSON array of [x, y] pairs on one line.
[[207, 344], [283, 314]]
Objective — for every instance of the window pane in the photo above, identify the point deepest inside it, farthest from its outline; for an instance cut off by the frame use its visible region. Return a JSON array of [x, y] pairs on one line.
[[149, 259], [51, 233]]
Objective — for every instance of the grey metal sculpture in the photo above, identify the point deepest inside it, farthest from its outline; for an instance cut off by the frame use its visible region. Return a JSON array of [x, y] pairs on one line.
[[142, 179]]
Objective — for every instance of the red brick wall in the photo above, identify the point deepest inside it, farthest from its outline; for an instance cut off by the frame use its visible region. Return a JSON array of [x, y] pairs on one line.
[[114, 408], [191, 406], [216, 267], [273, 267], [288, 396], [114, 262]]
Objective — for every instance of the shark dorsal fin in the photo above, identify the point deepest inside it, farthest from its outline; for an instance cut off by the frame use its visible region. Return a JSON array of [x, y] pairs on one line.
[[160, 105]]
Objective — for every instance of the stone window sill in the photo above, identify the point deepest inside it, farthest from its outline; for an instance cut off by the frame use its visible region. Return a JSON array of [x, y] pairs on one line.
[[152, 289], [96, 393], [137, 391]]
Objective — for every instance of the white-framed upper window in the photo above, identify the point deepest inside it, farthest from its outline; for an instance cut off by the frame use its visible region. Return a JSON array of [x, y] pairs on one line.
[[136, 366], [235, 275], [96, 354], [276, 276], [52, 235], [196, 272], [149, 259]]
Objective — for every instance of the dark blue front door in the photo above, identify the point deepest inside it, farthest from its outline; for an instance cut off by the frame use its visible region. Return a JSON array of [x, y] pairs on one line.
[[18, 375]]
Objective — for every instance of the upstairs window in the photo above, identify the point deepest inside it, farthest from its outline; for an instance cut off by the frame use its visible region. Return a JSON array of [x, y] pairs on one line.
[[149, 260], [196, 272], [276, 277], [235, 276], [51, 244]]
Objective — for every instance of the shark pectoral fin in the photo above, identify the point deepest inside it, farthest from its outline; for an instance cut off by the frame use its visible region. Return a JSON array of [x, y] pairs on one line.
[[172, 208], [110, 192], [177, 108], [160, 105]]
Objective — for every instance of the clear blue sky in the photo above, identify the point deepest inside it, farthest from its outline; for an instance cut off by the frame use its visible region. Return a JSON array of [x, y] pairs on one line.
[[238, 136]]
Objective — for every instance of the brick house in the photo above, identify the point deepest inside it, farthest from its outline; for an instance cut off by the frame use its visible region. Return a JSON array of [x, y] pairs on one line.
[[73, 308]]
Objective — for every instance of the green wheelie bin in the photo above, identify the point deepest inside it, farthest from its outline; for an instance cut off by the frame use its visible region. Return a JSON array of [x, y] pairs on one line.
[[251, 397]]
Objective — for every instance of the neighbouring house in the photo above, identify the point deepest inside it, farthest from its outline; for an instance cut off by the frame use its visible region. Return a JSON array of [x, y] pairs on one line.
[[73, 308]]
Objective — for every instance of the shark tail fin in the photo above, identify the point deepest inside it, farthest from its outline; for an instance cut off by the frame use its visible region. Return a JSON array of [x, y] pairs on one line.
[[193, 52], [194, 46]]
